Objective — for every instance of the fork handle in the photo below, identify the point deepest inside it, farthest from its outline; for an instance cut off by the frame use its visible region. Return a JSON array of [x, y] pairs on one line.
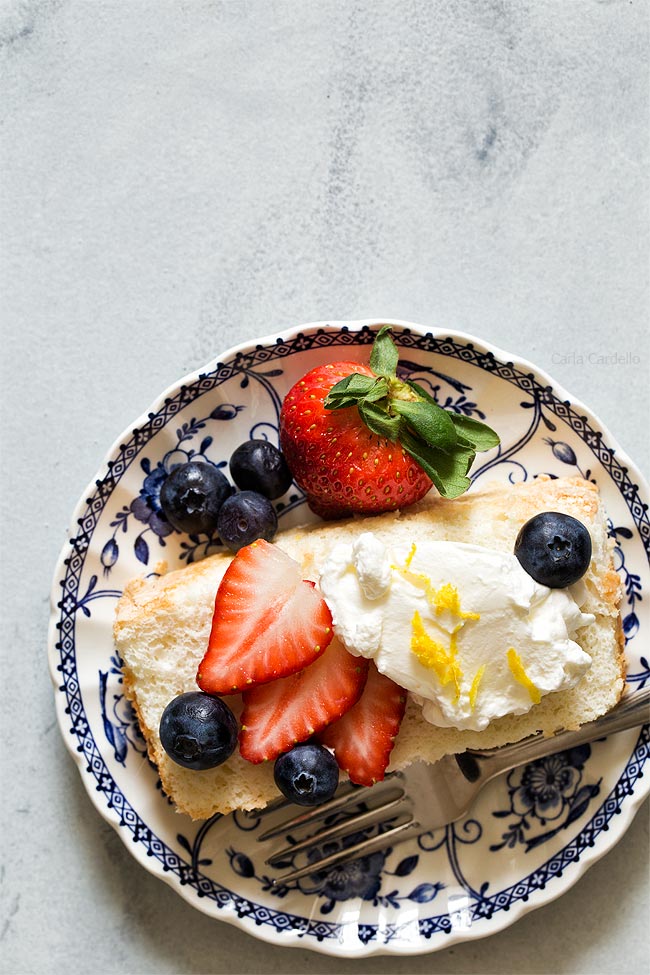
[[631, 711]]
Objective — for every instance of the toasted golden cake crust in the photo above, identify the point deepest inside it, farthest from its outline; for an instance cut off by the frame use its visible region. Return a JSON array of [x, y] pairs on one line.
[[162, 626]]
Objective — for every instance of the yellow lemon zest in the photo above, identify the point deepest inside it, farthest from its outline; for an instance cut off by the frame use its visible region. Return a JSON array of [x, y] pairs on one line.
[[417, 579], [403, 569], [434, 655], [520, 675], [473, 691], [447, 598], [409, 557], [444, 598]]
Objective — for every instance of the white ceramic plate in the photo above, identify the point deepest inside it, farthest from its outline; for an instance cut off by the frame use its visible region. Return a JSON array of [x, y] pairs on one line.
[[530, 835]]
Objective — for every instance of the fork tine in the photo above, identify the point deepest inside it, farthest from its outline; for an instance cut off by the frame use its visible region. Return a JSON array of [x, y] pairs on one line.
[[370, 817], [362, 848], [346, 794], [312, 815]]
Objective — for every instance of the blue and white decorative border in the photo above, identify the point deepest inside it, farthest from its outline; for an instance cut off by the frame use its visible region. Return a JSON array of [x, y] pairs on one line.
[[544, 399]]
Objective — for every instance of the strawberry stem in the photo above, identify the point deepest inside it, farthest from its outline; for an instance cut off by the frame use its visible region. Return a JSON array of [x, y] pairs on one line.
[[442, 442]]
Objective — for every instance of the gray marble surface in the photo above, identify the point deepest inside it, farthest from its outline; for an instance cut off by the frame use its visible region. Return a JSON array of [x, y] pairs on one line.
[[179, 176]]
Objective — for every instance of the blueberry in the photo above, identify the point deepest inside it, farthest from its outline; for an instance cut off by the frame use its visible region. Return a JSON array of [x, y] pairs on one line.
[[259, 466], [198, 731], [308, 774], [192, 495], [553, 548], [245, 517]]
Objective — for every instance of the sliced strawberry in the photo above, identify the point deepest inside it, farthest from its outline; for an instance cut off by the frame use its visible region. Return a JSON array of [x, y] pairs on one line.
[[268, 622], [363, 738], [278, 715]]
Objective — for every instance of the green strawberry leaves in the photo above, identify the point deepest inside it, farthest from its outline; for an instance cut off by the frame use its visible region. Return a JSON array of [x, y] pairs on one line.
[[476, 434], [448, 471], [351, 391], [355, 389], [442, 442], [429, 422], [379, 421], [384, 356]]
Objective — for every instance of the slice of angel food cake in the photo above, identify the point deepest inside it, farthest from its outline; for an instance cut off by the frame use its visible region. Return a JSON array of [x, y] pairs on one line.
[[414, 620], [388, 639]]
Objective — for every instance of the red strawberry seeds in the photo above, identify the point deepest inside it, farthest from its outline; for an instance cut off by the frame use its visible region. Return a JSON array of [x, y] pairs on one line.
[[363, 738], [363, 439], [335, 458], [268, 622], [278, 715]]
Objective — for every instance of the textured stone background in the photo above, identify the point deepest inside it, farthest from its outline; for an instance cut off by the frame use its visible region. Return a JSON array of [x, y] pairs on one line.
[[179, 176]]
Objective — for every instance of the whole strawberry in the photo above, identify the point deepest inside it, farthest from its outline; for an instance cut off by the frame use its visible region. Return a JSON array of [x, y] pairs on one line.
[[340, 464], [360, 440]]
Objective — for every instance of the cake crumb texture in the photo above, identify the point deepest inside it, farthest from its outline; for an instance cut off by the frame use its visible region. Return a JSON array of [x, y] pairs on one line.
[[162, 626]]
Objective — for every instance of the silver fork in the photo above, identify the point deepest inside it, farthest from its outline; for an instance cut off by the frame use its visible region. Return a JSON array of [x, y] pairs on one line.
[[423, 797]]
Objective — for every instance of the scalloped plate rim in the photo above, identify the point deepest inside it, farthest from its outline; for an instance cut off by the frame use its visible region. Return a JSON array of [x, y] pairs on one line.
[[497, 922]]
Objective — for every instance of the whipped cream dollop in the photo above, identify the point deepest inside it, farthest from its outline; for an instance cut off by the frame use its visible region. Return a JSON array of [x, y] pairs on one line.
[[463, 628]]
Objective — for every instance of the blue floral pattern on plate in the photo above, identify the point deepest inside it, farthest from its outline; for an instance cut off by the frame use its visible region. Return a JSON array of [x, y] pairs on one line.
[[546, 797], [548, 816]]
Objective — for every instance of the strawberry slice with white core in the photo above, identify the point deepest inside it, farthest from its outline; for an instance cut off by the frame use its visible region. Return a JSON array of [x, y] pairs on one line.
[[278, 715], [363, 738], [268, 622]]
